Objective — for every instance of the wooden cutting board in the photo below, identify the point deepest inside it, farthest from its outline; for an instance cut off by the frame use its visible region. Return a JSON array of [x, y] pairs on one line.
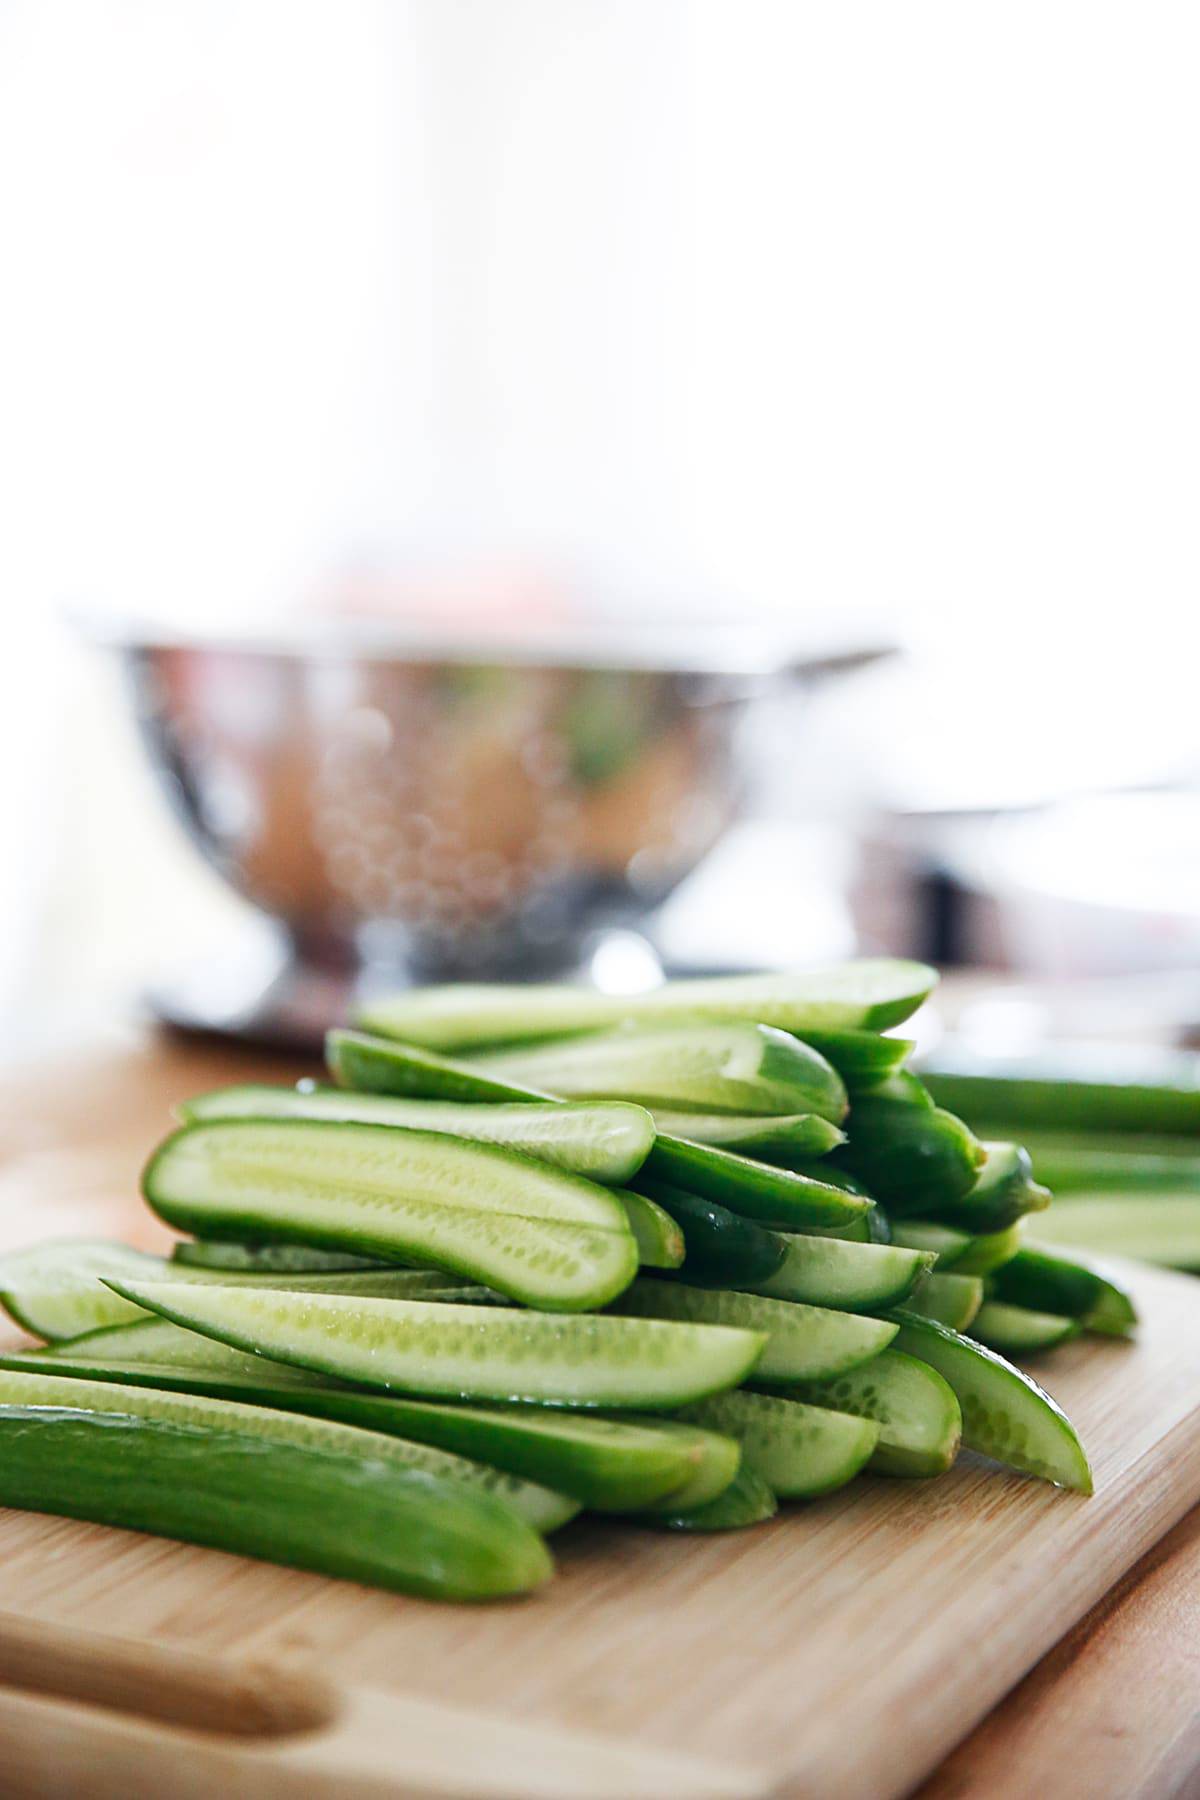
[[841, 1650]]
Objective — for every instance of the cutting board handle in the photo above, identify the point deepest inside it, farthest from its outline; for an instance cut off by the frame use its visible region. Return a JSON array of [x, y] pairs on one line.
[[81, 1712]]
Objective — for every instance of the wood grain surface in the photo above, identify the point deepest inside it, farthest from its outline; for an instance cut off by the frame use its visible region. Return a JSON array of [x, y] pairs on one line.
[[842, 1650]]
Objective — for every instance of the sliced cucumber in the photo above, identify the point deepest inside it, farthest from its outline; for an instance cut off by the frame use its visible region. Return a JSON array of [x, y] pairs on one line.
[[376, 1065], [915, 1158], [1005, 1414], [1018, 1331], [798, 1134], [852, 1277], [799, 1451], [1158, 1228], [535, 1233], [606, 1141], [712, 1473], [801, 1341], [958, 1251], [1003, 1193], [719, 1247], [861, 1058], [860, 996], [1044, 1282], [470, 1352], [952, 1300], [56, 1290], [268, 1259], [659, 1240], [746, 1501], [919, 1418], [734, 1068], [1077, 1090], [314, 1494], [620, 1464]]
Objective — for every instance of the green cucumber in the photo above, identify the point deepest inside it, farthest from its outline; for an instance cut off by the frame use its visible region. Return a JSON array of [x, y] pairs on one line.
[[744, 1185], [268, 1259], [918, 1415], [305, 1492], [1003, 1192], [706, 1068], [861, 1058], [621, 1464], [852, 1277], [469, 1352], [859, 996], [1157, 1228], [535, 1233], [952, 1300], [1006, 1415], [1096, 1160], [746, 1501], [801, 1341], [958, 1251], [719, 1247], [55, 1290], [1082, 1089], [914, 1157], [797, 1134], [1044, 1282], [607, 1141], [659, 1240], [710, 1475], [1019, 1331], [799, 1451]]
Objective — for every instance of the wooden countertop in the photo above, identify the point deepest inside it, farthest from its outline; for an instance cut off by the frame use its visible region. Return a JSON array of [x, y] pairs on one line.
[[1111, 1713]]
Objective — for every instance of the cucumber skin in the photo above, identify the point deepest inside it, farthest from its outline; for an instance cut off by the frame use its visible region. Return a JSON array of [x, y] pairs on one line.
[[861, 1058], [404, 1244], [336, 1515], [865, 1393], [913, 1157], [1065, 1104], [1040, 1281], [719, 1246], [746, 1501], [962, 1363], [660, 1242], [823, 1272], [1019, 1331]]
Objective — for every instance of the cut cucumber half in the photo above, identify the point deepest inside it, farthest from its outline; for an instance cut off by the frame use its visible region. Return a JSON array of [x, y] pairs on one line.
[[301, 1491], [952, 1300], [1074, 1090], [734, 1068], [535, 1233], [861, 1058], [959, 1252], [719, 1247], [621, 1464], [799, 1134], [919, 1418], [470, 1352], [1003, 1193], [710, 1476], [268, 1259], [56, 1289], [915, 1158], [1157, 1228], [799, 1451], [1050, 1283], [1018, 1331], [1006, 1415], [659, 1240], [851, 1277], [746, 1501], [607, 1141], [376, 1065], [801, 1341]]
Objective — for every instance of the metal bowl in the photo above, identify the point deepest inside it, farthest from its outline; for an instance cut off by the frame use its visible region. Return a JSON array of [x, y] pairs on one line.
[[449, 813]]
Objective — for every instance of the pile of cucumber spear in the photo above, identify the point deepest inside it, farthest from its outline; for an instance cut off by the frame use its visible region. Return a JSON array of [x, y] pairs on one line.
[[680, 1257]]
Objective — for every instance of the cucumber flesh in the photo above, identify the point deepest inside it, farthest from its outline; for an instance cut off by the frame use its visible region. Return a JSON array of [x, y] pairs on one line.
[[958, 1252], [719, 1247], [952, 1300], [268, 1259], [306, 1492], [1018, 1331], [1050, 1283], [1006, 1415], [799, 1451], [801, 1341], [851, 1277], [620, 1464], [535, 1233], [470, 1352], [607, 1141], [861, 1058], [868, 995], [753, 1134], [56, 1290], [734, 1068], [919, 1419], [1157, 1228], [710, 1475], [746, 1501], [659, 1240]]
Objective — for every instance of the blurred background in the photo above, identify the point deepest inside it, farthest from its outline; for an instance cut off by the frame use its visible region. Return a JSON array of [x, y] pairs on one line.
[[466, 459]]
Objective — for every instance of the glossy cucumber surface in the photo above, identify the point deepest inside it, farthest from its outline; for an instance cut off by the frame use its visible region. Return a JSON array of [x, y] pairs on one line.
[[915, 1158], [851, 1277], [951, 1299], [1055, 1283], [915, 1409], [719, 1247], [799, 1451], [801, 1341], [1017, 1331]]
